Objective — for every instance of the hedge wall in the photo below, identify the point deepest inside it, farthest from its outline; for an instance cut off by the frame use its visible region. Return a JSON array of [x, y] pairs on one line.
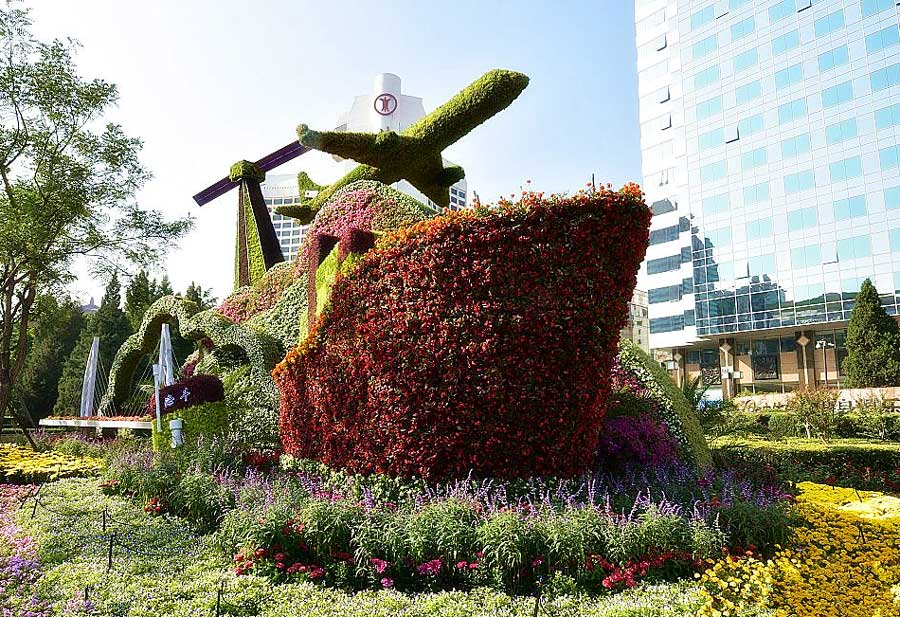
[[481, 340], [200, 421]]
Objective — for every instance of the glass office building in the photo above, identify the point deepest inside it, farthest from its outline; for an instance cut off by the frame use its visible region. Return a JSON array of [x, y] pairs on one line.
[[770, 134]]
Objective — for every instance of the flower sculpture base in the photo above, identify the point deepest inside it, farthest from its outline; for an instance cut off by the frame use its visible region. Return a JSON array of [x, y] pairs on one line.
[[479, 341]]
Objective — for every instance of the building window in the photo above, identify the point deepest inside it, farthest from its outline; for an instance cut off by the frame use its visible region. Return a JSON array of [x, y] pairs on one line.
[[703, 16], [895, 240], [846, 169], [704, 47], [713, 171], [854, 248], [850, 208], [789, 112], [834, 58], [743, 28], [795, 146], [789, 76], [785, 42], [889, 157], [829, 23], [662, 206], [841, 131], [761, 264], [803, 218], [716, 204], [664, 264], [783, 9], [754, 158], [706, 77], [756, 193], [745, 60], [659, 295], [870, 7], [885, 78], [889, 116], [800, 181], [883, 39], [718, 238], [734, 4], [806, 256], [749, 126], [761, 228], [748, 92], [709, 107], [892, 198], [711, 139], [667, 324], [660, 236], [838, 94]]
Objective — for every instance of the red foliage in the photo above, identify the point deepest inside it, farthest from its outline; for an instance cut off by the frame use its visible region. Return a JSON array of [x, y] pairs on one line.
[[187, 393], [479, 341]]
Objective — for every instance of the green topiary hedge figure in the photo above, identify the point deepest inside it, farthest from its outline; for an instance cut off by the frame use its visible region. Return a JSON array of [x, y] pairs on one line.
[[415, 154], [873, 343], [204, 421], [672, 406]]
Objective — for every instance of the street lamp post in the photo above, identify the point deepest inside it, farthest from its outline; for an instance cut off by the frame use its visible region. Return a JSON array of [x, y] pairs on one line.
[[824, 345]]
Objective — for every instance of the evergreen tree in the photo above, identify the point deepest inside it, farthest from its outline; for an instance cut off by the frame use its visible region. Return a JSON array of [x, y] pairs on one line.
[[162, 288], [110, 324], [138, 297], [203, 298], [55, 332], [873, 343]]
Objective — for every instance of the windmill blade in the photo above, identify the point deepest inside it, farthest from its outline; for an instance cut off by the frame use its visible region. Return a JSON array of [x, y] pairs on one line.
[[215, 190], [266, 163]]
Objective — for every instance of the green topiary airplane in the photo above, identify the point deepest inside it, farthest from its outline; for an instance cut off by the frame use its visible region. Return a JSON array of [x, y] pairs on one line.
[[414, 154]]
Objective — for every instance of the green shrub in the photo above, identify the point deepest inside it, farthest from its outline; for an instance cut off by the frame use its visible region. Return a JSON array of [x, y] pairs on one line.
[[199, 498], [799, 459], [877, 418], [764, 528], [815, 410], [442, 528], [201, 422], [782, 426]]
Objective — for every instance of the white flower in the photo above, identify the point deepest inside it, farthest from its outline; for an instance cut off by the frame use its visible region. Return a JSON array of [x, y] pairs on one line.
[[169, 401], [185, 394]]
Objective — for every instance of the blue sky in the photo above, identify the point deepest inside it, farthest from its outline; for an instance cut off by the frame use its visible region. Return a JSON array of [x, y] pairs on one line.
[[206, 83]]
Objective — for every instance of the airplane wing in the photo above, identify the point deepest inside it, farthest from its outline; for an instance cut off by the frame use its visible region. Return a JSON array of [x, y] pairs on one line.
[[483, 98], [373, 149]]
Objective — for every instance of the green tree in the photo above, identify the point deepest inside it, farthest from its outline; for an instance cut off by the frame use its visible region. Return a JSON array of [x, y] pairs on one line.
[[203, 298], [57, 327], [111, 325], [67, 184], [138, 296], [873, 343]]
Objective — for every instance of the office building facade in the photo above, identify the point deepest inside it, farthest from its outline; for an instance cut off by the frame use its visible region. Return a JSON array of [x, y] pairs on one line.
[[770, 136]]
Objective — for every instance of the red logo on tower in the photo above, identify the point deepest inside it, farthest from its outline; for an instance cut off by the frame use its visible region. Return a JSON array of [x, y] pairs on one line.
[[385, 104]]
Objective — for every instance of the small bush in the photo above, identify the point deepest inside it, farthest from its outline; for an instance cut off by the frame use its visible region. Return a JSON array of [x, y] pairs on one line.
[[815, 410]]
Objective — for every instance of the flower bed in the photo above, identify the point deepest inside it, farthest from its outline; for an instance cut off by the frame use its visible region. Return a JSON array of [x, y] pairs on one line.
[[20, 465], [845, 561], [171, 571]]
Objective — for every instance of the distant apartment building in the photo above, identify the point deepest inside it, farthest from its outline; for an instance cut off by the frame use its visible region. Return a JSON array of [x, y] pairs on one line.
[[638, 328], [770, 135]]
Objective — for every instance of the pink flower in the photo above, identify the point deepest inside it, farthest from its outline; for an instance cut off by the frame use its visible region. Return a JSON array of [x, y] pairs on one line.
[[430, 568], [461, 565], [380, 564], [387, 583]]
